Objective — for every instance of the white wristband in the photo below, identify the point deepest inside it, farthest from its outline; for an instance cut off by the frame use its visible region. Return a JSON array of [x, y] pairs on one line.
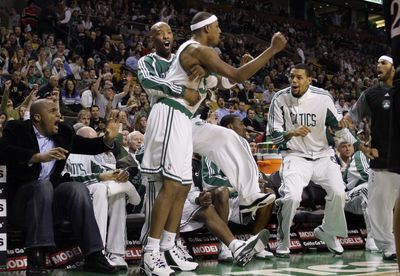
[[226, 83]]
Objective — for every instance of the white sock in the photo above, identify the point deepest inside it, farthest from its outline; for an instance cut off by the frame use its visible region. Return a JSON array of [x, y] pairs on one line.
[[234, 244], [167, 240], [152, 244]]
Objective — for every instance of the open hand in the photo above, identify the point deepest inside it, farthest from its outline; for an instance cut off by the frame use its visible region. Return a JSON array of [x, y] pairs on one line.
[[53, 154]]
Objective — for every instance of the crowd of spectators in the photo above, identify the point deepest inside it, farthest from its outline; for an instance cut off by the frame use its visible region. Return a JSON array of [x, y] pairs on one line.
[[85, 50]]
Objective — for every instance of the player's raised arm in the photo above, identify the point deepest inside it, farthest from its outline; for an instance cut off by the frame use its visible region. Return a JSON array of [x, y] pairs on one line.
[[210, 60]]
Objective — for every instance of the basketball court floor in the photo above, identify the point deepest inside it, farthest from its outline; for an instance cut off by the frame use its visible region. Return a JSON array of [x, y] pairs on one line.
[[353, 262]]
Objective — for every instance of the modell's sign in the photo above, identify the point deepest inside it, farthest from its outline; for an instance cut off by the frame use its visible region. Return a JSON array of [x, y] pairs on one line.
[[133, 253], [295, 244], [205, 249], [66, 256]]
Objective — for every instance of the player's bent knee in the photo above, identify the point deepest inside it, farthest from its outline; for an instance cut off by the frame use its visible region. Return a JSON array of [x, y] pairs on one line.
[[222, 194]]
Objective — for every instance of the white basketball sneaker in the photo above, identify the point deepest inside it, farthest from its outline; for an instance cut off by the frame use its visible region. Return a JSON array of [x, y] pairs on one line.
[[154, 264], [177, 261], [331, 242]]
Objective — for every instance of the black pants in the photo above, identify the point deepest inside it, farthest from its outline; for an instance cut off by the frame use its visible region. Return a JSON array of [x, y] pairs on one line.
[[37, 206]]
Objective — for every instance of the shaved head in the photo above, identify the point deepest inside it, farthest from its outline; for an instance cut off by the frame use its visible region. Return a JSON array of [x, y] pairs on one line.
[[38, 107], [163, 39], [157, 26], [45, 116]]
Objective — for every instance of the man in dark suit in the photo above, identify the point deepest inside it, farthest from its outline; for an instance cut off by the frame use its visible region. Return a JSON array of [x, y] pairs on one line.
[[38, 196], [130, 164]]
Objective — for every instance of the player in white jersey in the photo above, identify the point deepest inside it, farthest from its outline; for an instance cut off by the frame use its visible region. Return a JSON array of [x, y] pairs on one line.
[[108, 190], [168, 139], [300, 121]]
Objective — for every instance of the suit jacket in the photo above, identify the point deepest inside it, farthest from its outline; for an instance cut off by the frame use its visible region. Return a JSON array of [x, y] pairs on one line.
[[130, 165], [135, 177], [19, 144]]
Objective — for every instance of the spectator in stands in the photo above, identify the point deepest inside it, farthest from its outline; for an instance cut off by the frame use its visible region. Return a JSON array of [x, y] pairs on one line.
[[84, 117], [241, 112], [96, 122], [221, 110], [30, 16], [64, 16], [107, 51], [48, 88], [18, 89], [18, 61], [92, 44], [268, 94], [7, 105], [341, 105], [251, 122], [19, 36], [123, 120], [108, 99], [247, 93], [42, 61], [141, 123], [87, 96], [58, 68], [87, 22], [40, 194], [77, 66], [70, 96]]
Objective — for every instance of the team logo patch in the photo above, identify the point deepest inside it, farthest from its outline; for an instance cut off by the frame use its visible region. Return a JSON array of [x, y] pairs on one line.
[[386, 104]]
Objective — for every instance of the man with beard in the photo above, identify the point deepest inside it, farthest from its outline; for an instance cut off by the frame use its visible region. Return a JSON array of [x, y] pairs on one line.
[[392, 11], [383, 186]]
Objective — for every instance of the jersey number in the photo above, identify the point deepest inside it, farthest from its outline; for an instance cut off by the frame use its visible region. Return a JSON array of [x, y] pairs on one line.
[[395, 12]]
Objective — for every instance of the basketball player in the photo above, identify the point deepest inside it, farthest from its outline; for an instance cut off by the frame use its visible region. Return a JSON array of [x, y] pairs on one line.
[[298, 121], [158, 158], [108, 190], [375, 102], [392, 13]]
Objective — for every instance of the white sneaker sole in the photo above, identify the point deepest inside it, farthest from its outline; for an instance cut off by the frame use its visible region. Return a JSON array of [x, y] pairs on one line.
[[258, 203], [253, 245]]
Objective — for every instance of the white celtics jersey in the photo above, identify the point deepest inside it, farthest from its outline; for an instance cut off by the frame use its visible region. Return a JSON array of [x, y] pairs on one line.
[[316, 110], [178, 75], [357, 171], [83, 168]]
